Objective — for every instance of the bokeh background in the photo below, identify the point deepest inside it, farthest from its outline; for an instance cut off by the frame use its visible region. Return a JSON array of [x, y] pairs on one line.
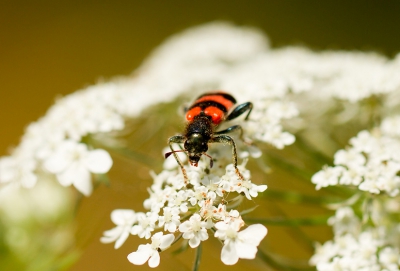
[[52, 48]]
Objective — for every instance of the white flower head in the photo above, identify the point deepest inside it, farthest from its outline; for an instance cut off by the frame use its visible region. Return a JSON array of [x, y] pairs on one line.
[[372, 164], [365, 250], [18, 170], [171, 219], [179, 199], [150, 252], [73, 163], [194, 230], [237, 244], [345, 221], [239, 61], [201, 194], [391, 126], [327, 176], [389, 258], [124, 220], [146, 223], [350, 158], [231, 182]]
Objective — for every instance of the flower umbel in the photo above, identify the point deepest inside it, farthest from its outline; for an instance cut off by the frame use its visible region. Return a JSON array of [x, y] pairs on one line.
[[372, 164], [334, 112], [195, 209]]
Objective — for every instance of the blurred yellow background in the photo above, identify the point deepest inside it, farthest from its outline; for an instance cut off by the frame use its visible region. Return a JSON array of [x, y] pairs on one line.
[[52, 48]]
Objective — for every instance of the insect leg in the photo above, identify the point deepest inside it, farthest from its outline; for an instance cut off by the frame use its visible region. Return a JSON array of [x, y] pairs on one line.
[[231, 129], [230, 141], [239, 110], [178, 139]]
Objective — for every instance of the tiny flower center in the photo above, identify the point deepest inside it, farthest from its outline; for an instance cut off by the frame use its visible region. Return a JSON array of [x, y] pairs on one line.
[[155, 244], [231, 233], [196, 226]]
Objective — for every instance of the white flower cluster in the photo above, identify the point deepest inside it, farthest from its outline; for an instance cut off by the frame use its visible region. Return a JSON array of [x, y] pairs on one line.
[[206, 204], [218, 56], [356, 253], [354, 248], [54, 145], [371, 163], [214, 56], [195, 60], [391, 126]]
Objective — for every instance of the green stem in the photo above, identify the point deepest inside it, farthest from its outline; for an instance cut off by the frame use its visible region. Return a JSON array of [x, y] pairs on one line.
[[177, 239], [287, 166], [375, 106], [306, 175], [295, 231], [141, 158], [315, 154], [126, 152], [291, 222], [196, 264], [278, 265], [153, 128], [297, 198], [233, 203], [247, 211]]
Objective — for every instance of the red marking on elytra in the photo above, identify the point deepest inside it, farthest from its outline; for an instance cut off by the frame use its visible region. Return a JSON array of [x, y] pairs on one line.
[[192, 113], [215, 113]]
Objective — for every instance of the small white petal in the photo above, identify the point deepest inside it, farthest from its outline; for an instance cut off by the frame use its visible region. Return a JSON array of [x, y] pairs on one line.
[[111, 235], [84, 185], [188, 235], [154, 260], [171, 227], [166, 241], [77, 175], [253, 234], [185, 226], [121, 240], [67, 177], [121, 216], [245, 250], [98, 161], [203, 235], [57, 163], [228, 254], [139, 257], [194, 242]]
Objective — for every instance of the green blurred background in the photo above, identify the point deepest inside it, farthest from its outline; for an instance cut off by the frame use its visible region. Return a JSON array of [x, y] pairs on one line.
[[52, 48]]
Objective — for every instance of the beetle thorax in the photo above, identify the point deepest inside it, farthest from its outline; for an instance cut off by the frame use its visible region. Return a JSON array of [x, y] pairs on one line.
[[198, 133]]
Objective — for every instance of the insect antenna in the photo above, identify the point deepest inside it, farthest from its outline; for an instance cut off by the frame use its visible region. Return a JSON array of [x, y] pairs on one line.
[[168, 154], [211, 160]]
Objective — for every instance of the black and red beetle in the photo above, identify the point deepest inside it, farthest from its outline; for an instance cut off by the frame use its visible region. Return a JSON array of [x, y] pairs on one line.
[[203, 117]]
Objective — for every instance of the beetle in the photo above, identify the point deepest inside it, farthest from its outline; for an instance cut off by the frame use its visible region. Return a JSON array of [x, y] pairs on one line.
[[203, 117]]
